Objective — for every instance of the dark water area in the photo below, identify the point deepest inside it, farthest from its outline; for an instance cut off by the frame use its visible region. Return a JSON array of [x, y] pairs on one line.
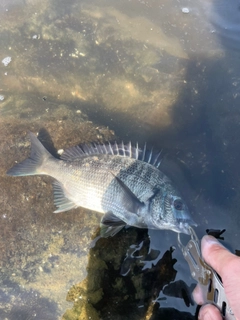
[[162, 72]]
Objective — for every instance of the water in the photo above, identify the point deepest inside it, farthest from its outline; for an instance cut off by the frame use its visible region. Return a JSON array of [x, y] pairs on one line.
[[79, 71]]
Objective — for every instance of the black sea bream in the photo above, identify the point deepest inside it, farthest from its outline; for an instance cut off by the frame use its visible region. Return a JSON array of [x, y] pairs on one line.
[[120, 181]]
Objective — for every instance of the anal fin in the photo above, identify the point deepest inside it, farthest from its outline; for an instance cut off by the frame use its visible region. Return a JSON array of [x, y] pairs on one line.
[[60, 199]]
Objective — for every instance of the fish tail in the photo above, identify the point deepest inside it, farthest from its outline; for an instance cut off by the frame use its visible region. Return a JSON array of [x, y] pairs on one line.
[[34, 164]]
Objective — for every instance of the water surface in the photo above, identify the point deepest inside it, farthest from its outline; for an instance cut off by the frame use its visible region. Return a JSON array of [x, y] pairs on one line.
[[161, 72]]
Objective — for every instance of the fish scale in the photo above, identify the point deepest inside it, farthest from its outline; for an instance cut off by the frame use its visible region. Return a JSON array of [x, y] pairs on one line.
[[120, 181]]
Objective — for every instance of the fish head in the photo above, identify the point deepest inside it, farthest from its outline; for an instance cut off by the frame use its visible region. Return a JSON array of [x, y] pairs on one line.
[[171, 212], [175, 205]]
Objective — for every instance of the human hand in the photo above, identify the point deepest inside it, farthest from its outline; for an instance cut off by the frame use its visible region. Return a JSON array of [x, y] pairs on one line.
[[227, 265]]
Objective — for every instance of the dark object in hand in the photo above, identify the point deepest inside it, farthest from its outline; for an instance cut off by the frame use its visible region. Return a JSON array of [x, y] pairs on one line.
[[216, 233], [237, 252]]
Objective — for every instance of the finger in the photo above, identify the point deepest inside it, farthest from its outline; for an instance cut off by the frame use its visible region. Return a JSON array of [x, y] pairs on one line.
[[209, 312], [198, 295], [218, 257]]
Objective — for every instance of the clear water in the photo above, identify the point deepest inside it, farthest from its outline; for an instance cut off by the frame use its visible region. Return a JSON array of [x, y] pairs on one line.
[[164, 72]]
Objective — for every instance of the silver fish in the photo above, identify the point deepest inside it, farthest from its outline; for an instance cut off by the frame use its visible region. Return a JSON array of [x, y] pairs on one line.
[[121, 181]]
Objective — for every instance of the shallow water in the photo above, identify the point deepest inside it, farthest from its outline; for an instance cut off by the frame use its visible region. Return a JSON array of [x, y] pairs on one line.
[[165, 73]]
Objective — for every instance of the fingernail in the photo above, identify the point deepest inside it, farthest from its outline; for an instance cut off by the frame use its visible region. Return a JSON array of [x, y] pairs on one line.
[[209, 240]]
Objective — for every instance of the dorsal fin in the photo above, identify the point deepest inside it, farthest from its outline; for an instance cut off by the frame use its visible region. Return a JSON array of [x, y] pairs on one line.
[[125, 150]]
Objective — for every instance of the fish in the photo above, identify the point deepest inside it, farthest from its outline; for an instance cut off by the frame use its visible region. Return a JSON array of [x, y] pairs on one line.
[[121, 181]]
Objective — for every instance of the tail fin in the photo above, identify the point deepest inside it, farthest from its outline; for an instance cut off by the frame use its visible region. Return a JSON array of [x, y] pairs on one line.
[[33, 164]]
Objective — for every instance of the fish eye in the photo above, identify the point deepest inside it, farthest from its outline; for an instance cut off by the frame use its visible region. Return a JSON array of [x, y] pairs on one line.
[[178, 205]]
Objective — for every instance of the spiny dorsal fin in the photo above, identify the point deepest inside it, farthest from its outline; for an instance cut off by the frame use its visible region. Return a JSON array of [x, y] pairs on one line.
[[125, 150]]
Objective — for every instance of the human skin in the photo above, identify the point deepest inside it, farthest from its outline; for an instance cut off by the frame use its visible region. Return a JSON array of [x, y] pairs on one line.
[[227, 265]]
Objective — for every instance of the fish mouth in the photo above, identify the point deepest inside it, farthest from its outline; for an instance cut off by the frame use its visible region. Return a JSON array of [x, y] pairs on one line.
[[184, 226], [178, 226]]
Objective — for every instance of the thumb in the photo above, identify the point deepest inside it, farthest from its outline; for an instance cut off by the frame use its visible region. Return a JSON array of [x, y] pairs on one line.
[[209, 312], [227, 265], [218, 257]]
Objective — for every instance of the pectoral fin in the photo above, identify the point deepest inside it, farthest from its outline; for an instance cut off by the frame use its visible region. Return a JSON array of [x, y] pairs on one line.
[[110, 225], [129, 201]]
